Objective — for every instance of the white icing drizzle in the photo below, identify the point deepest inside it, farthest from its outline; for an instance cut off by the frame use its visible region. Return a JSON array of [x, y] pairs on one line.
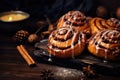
[[74, 18], [69, 19], [50, 46], [99, 41], [73, 39], [97, 46], [97, 49], [74, 35], [112, 36], [71, 28], [50, 50], [79, 42], [67, 34], [83, 37], [72, 44], [106, 50], [61, 32], [92, 41], [56, 50], [63, 28]]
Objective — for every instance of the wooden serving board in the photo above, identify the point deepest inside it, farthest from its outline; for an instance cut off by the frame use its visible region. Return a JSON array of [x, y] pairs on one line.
[[100, 65]]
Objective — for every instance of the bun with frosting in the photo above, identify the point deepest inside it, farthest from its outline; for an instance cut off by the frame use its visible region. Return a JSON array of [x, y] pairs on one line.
[[75, 19], [66, 42], [105, 44]]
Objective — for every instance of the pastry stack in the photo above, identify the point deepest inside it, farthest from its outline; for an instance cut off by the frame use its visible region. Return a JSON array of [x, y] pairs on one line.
[[75, 32]]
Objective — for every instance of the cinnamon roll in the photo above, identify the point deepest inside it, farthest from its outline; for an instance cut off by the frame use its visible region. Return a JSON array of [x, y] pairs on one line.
[[105, 44], [98, 24], [75, 19], [66, 42], [113, 23]]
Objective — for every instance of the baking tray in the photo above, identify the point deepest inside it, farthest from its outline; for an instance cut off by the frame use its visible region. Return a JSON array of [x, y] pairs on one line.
[[99, 65]]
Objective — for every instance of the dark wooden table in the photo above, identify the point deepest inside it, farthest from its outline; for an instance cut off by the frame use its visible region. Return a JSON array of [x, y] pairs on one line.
[[14, 67]]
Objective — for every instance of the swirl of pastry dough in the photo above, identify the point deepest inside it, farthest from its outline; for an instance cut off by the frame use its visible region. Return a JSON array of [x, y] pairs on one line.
[[66, 42], [105, 44]]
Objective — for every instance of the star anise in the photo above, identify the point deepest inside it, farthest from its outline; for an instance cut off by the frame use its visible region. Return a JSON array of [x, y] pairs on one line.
[[89, 72], [47, 75]]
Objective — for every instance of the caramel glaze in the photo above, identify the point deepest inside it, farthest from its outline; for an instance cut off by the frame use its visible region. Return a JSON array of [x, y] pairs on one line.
[[105, 44]]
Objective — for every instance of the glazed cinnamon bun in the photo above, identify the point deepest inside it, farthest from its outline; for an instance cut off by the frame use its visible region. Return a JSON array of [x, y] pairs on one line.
[[113, 23], [75, 19], [98, 24], [105, 44], [66, 42]]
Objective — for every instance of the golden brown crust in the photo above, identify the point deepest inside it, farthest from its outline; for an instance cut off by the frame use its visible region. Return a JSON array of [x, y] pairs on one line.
[[75, 19], [113, 23], [105, 44], [95, 24], [98, 24], [66, 42]]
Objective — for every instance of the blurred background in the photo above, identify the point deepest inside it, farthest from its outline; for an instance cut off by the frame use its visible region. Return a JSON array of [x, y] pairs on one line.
[[54, 9], [58, 7]]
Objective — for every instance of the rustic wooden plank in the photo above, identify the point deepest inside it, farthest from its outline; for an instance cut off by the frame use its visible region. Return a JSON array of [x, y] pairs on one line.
[[13, 66]]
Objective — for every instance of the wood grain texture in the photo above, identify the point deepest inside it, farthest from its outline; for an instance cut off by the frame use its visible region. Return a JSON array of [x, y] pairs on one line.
[[13, 66]]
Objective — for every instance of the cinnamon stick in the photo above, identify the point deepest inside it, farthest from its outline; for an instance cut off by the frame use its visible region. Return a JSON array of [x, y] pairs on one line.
[[25, 55]]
